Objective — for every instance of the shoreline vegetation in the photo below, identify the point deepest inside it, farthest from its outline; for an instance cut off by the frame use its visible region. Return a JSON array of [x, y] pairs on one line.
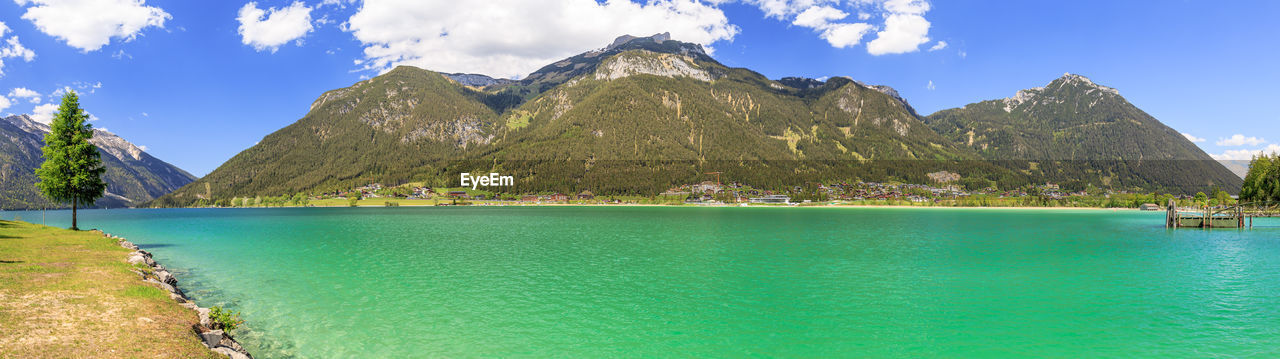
[[88, 294], [1119, 201], [715, 193]]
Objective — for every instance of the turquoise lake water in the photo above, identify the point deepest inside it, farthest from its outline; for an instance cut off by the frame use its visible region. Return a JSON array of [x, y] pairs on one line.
[[718, 282]]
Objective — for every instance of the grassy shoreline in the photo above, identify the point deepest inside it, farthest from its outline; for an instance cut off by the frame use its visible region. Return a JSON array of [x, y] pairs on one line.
[[73, 294]]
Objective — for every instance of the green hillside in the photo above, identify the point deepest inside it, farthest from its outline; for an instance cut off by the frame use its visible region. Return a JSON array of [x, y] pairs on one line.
[[646, 114], [1073, 130]]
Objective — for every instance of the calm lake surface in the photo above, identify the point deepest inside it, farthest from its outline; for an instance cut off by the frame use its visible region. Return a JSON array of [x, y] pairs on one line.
[[718, 282]]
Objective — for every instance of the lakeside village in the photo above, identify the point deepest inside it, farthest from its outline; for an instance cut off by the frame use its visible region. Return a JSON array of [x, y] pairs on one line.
[[714, 193]]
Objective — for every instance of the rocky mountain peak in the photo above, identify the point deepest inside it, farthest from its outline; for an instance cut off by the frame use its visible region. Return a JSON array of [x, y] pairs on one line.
[[26, 123], [102, 138], [116, 146], [1068, 86], [1079, 81], [624, 39], [477, 80]]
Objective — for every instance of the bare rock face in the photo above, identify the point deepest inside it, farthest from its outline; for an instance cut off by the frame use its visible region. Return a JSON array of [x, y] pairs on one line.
[[651, 63]]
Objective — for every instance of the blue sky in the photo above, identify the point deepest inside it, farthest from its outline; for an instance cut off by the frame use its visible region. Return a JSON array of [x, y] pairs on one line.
[[198, 81]]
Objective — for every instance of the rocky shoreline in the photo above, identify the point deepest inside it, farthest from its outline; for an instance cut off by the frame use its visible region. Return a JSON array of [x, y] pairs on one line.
[[210, 333]]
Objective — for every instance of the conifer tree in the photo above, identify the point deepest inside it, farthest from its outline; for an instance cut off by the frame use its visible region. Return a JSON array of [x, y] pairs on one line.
[[72, 169]]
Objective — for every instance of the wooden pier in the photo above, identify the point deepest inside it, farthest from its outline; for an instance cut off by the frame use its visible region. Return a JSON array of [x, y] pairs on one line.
[[1232, 216]]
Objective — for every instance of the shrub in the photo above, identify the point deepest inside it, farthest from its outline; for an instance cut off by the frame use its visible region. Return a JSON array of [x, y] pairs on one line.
[[225, 319]]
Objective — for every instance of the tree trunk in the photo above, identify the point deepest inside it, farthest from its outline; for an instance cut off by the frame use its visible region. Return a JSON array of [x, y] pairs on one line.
[[73, 215]]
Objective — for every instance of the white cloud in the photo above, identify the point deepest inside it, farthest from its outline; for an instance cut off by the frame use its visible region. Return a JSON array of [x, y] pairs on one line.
[[912, 7], [938, 46], [1244, 155], [44, 113], [780, 9], [839, 35], [4, 103], [930, 86], [904, 29], [11, 48], [819, 16], [502, 38], [57, 94], [1192, 138], [143, 148], [89, 25], [903, 33], [845, 35], [23, 92], [342, 4], [1240, 140], [269, 29], [963, 54]]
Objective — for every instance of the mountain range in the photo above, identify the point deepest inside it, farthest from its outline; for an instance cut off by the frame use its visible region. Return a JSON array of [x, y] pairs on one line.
[[132, 175], [647, 113]]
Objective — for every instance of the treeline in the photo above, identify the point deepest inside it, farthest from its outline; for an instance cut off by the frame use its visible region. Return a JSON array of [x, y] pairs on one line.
[[1262, 184]]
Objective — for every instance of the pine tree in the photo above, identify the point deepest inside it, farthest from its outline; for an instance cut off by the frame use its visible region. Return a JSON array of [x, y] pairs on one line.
[[72, 169]]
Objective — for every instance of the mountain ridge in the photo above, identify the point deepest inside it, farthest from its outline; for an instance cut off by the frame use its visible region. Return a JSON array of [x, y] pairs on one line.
[[133, 176], [657, 109], [1085, 125]]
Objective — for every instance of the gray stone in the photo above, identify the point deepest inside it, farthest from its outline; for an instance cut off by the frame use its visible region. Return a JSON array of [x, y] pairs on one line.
[[190, 305], [177, 298], [212, 338], [165, 277], [204, 316], [230, 353], [150, 262], [170, 289], [137, 259]]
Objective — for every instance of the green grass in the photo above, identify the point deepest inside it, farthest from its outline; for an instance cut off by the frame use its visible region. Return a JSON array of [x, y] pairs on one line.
[[145, 291], [73, 294]]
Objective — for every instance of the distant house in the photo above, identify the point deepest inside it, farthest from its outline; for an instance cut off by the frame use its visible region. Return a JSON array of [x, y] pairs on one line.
[[586, 195], [529, 198], [772, 199], [1149, 207], [706, 187], [457, 194], [559, 197]]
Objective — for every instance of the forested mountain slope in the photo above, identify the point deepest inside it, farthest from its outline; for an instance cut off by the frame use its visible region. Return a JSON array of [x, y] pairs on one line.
[[1076, 130], [645, 114]]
